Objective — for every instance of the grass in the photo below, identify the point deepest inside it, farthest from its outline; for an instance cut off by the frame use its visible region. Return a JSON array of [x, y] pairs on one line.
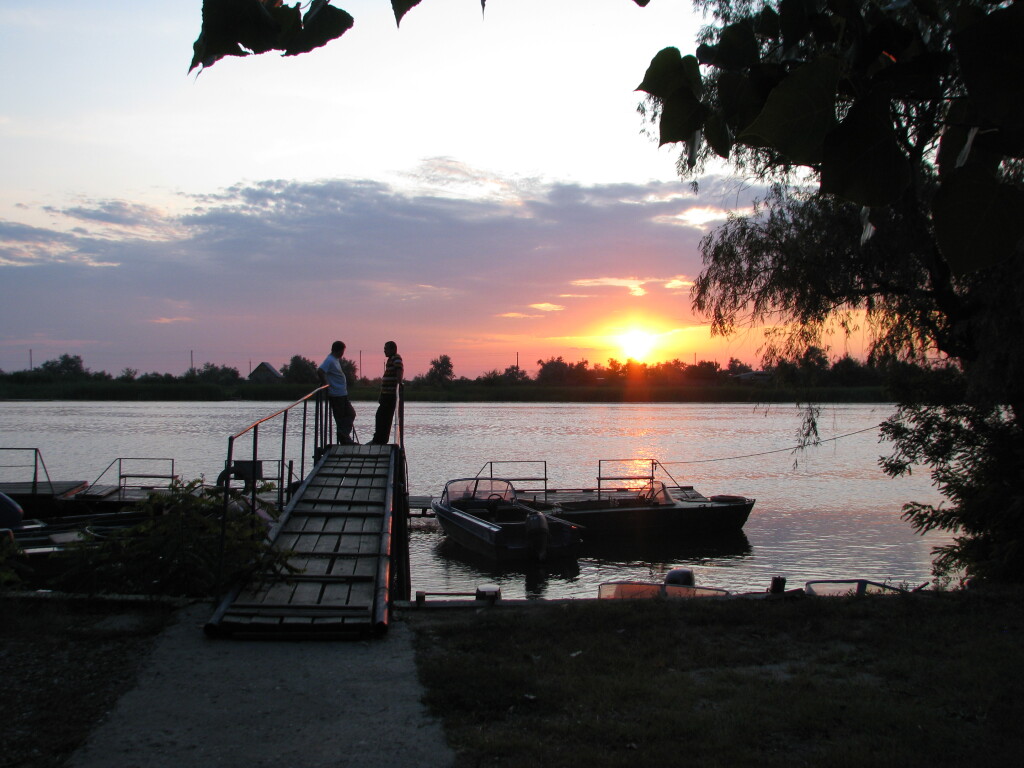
[[918, 681]]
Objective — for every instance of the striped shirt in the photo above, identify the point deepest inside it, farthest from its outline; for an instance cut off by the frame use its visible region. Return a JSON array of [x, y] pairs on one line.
[[393, 372]]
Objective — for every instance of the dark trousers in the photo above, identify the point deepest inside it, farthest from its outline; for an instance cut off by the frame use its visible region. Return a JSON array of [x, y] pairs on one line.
[[385, 412], [344, 417]]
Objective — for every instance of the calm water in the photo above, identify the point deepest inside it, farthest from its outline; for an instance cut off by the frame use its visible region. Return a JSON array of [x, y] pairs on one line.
[[827, 512]]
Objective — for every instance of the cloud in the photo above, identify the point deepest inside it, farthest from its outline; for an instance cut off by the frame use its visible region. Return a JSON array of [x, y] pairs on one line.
[[291, 261], [634, 284]]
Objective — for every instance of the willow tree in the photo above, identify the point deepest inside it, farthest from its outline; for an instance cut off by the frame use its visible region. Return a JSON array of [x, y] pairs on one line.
[[893, 135]]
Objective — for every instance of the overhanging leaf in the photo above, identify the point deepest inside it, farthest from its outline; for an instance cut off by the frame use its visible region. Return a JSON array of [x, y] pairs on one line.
[[665, 74], [322, 24], [229, 26], [737, 47], [799, 112], [992, 60], [681, 117], [716, 133], [402, 7], [862, 161], [978, 221]]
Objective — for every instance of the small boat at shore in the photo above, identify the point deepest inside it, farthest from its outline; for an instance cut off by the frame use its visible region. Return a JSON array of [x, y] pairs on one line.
[[679, 583], [484, 515], [635, 504]]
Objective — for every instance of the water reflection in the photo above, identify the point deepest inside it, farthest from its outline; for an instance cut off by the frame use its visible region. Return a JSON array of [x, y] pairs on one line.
[[440, 565], [825, 513]]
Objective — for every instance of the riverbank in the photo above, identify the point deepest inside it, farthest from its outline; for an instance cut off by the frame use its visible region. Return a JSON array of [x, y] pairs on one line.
[[920, 680], [466, 392]]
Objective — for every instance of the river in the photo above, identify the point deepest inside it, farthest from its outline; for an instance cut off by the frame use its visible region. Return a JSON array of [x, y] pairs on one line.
[[825, 512]]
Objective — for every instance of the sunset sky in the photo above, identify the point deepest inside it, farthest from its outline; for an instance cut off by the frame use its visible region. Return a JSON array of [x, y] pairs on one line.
[[476, 187]]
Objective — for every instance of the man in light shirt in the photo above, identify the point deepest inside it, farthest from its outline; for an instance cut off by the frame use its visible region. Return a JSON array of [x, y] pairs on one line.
[[331, 373]]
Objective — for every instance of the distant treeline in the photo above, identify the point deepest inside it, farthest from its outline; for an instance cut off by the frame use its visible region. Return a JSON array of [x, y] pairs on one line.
[[811, 378]]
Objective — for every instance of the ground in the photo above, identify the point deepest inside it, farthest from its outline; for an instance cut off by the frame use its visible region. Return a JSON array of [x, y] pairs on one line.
[[64, 664]]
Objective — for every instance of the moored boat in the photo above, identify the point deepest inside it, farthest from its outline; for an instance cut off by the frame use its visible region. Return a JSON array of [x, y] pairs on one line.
[[484, 515], [636, 504]]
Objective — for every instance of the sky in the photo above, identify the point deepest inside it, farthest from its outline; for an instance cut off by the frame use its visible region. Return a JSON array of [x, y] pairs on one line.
[[475, 185]]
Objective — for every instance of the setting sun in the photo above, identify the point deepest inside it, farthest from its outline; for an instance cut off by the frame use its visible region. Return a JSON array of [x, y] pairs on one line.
[[636, 344]]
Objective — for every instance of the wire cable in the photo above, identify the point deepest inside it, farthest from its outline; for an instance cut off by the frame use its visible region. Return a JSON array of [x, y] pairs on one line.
[[777, 450]]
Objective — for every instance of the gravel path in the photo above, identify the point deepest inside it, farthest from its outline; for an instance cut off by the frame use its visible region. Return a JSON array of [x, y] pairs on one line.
[[226, 703]]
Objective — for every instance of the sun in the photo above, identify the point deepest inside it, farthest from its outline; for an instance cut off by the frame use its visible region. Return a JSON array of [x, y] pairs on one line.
[[636, 344]]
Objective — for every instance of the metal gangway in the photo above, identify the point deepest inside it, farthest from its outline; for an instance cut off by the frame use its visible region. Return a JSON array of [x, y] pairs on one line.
[[345, 532]]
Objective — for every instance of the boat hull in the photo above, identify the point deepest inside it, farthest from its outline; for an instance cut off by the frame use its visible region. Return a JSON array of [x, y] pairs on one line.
[[614, 516], [507, 541]]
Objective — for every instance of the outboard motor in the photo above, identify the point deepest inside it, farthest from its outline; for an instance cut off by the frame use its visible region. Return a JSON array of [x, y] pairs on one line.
[[11, 513], [682, 577], [538, 534]]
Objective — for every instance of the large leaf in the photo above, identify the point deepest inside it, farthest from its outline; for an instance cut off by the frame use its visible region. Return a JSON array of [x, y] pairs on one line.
[[668, 72], [321, 24], [978, 221], [799, 113], [862, 161], [991, 58], [682, 115], [739, 99], [736, 49], [402, 7], [716, 133], [233, 28]]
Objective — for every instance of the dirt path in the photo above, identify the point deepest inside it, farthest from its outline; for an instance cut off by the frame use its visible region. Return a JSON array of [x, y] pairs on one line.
[[226, 703]]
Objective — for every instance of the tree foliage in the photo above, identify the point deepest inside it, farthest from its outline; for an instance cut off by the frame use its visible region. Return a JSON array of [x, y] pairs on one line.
[[299, 370], [914, 104], [241, 27], [886, 108]]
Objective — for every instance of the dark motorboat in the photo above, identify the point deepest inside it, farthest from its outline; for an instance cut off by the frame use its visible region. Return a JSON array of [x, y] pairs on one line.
[[635, 504], [483, 514], [654, 508]]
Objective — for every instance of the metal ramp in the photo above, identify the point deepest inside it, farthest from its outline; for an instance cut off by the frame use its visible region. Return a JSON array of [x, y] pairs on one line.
[[346, 530]]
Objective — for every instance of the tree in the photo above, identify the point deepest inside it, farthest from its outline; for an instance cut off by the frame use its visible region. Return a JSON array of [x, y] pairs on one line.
[[65, 367], [903, 116], [299, 370], [914, 106], [441, 371]]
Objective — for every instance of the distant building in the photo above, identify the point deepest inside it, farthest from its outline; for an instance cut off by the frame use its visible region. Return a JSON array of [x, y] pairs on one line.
[[752, 377], [265, 373]]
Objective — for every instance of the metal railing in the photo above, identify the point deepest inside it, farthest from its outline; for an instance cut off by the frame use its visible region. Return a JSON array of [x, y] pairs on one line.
[[250, 469], [142, 473], [37, 465]]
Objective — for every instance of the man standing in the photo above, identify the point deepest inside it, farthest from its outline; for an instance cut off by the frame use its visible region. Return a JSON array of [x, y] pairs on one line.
[[331, 373], [393, 371]]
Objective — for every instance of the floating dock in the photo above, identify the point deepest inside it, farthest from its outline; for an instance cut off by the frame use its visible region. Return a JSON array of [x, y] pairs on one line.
[[345, 530]]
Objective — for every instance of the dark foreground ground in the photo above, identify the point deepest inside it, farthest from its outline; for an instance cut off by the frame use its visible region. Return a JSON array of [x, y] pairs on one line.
[[914, 681]]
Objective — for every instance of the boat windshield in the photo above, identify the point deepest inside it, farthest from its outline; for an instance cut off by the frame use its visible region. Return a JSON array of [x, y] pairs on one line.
[[480, 488], [657, 492]]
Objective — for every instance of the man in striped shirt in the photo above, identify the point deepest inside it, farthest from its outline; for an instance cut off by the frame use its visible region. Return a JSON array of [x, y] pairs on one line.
[[389, 383]]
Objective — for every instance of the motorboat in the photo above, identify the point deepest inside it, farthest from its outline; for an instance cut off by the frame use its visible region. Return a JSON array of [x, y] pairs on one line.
[[636, 504], [485, 516], [656, 507]]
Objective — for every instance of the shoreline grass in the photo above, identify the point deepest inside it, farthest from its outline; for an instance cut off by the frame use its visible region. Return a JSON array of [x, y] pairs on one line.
[[921, 680]]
